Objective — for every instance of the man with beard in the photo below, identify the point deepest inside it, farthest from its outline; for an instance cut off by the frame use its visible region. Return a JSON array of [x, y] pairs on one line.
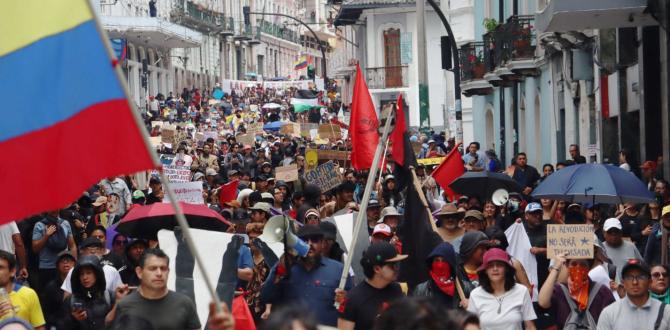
[[652, 252], [370, 298], [205, 160], [310, 281], [447, 225]]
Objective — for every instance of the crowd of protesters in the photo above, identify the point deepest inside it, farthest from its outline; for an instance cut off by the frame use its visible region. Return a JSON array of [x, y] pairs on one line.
[[61, 270]]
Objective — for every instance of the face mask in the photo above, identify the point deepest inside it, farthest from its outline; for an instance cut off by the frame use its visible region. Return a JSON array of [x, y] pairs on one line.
[[578, 284], [440, 272]]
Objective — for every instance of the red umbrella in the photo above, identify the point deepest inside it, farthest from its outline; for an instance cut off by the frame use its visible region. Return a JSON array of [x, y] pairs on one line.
[[145, 221]]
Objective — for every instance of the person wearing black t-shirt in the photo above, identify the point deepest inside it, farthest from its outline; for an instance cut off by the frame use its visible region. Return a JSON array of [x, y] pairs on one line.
[[365, 302]]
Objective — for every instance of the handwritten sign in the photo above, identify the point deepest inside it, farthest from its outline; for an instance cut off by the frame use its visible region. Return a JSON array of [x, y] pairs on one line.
[[287, 173], [328, 131], [325, 176], [290, 129], [187, 192], [168, 134], [430, 161], [177, 173], [246, 139], [574, 240]]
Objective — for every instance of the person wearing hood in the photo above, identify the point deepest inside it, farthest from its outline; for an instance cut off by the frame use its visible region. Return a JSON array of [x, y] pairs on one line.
[[134, 251], [471, 256], [441, 287], [93, 247], [90, 300]]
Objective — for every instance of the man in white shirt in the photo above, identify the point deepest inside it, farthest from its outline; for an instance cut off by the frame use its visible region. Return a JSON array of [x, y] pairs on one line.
[[10, 241], [93, 246]]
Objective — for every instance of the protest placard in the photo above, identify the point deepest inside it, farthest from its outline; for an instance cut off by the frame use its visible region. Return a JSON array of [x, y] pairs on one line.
[[333, 154], [187, 192], [168, 133], [325, 176], [286, 129], [430, 161], [155, 141], [177, 173], [286, 173], [211, 134], [311, 159], [255, 127], [246, 139], [574, 240], [328, 131]]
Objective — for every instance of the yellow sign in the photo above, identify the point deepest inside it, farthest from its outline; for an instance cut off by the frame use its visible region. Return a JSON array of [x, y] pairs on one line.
[[311, 159], [430, 161]]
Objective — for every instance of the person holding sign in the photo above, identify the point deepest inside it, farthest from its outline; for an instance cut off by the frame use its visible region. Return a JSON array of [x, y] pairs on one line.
[[568, 302]]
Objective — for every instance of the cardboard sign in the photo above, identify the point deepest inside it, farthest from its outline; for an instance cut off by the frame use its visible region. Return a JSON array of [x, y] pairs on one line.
[[330, 131], [325, 176], [289, 129], [311, 159], [307, 128], [187, 192], [333, 154], [574, 240], [155, 141], [177, 173], [246, 139], [255, 127], [156, 123], [168, 134], [287, 173], [430, 161]]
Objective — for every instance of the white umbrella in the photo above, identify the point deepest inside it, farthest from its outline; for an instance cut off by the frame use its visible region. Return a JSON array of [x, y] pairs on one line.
[[271, 106]]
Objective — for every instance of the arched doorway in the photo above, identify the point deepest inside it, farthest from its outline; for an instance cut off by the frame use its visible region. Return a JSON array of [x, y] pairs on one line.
[[490, 138]]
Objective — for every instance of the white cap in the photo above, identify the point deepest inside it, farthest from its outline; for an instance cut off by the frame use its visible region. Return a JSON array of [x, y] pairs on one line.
[[612, 223], [382, 228]]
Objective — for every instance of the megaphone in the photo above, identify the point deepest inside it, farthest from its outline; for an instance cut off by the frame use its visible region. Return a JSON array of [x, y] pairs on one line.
[[500, 197], [278, 227]]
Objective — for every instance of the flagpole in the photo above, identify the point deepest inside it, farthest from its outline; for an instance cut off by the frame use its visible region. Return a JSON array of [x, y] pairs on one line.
[[364, 203], [179, 214], [383, 159]]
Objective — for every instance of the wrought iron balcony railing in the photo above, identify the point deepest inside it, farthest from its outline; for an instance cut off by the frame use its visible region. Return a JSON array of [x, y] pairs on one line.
[[472, 61], [387, 77]]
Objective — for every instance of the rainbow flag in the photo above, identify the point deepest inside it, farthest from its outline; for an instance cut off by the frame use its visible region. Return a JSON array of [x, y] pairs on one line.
[[66, 122], [301, 63]]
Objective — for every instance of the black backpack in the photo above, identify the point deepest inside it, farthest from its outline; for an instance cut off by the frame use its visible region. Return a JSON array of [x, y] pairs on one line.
[[58, 241]]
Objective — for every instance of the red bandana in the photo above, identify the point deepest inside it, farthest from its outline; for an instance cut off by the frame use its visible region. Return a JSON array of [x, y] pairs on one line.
[[440, 271]]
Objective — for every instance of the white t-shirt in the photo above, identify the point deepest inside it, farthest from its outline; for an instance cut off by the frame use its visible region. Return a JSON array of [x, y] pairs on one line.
[[515, 307], [6, 232], [112, 279]]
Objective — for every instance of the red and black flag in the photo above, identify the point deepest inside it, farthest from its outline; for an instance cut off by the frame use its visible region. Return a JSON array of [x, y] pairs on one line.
[[401, 149]]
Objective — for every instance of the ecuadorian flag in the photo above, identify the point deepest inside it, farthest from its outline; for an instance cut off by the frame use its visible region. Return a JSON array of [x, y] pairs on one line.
[[66, 122], [301, 63]]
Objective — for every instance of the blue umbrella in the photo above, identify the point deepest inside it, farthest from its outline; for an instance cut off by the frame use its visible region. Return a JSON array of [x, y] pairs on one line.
[[273, 126], [594, 183]]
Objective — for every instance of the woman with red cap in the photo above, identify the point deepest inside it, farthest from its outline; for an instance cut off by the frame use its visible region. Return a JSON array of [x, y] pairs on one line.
[[499, 301]]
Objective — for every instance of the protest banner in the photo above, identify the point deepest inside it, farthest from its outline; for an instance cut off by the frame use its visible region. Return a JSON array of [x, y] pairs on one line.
[[311, 159], [184, 277], [330, 131], [574, 240], [333, 154], [168, 134], [187, 192], [325, 176], [177, 173], [430, 161], [286, 173], [246, 139]]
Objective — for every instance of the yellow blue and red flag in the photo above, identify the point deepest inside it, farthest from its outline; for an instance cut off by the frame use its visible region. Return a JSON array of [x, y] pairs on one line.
[[301, 63], [66, 121]]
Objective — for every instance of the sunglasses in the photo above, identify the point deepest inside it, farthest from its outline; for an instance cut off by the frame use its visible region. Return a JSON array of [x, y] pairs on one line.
[[658, 275]]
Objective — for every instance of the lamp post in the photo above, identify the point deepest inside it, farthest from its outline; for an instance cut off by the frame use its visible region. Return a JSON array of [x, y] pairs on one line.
[[323, 52]]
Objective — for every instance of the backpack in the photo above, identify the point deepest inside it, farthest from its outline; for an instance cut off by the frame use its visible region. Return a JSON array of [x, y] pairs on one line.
[[580, 319], [58, 241]]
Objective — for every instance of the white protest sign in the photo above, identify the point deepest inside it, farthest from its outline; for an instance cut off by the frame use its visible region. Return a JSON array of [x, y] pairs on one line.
[[187, 192], [287, 173], [345, 226], [215, 244], [177, 173], [574, 240]]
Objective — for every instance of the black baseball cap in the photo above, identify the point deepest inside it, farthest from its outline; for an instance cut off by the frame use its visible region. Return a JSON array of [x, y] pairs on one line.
[[382, 252], [636, 264], [91, 241], [346, 186], [329, 230], [310, 231]]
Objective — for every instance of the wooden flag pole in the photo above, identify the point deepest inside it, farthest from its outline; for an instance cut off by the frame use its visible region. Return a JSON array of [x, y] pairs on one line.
[[179, 214], [364, 203], [381, 172]]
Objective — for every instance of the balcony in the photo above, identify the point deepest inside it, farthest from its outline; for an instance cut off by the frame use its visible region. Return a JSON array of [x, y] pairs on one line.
[[228, 29], [575, 15], [278, 31], [387, 77], [255, 35], [521, 45], [197, 17], [471, 58], [243, 31]]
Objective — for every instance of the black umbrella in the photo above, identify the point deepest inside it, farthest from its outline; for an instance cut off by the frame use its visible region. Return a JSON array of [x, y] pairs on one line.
[[483, 184]]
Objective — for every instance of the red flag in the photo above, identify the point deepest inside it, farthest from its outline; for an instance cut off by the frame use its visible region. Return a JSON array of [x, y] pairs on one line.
[[228, 192], [363, 125], [450, 169], [398, 135]]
